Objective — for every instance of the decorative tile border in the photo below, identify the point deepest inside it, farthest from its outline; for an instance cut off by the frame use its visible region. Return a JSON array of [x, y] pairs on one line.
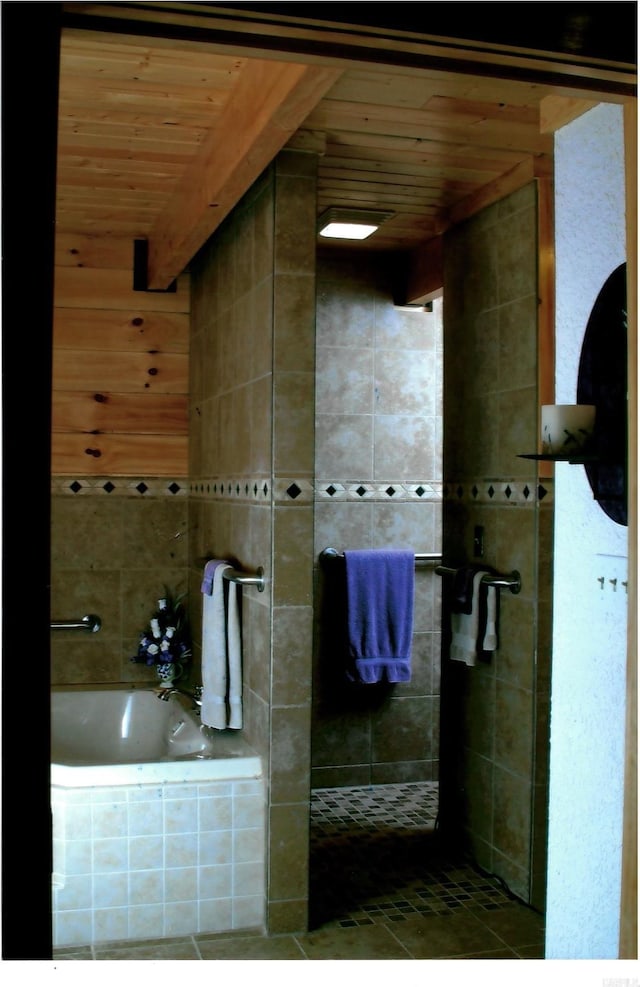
[[254, 489], [389, 490], [259, 490], [120, 486], [499, 491]]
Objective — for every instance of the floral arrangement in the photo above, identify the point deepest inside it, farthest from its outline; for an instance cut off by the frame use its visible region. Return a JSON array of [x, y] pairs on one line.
[[166, 641]]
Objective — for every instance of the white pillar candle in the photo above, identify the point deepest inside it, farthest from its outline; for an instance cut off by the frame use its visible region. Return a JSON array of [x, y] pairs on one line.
[[566, 428]]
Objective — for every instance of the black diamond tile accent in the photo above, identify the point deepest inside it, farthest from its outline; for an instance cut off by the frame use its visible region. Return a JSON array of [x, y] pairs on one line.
[[491, 491], [361, 491], [420, 491], [331, 490], [265, 489], [294, 491], [142, 488], [390, 491], [174, 488], [508, 491], [474, 490], [75, 486], [526, 492], [542, 493], [109, 487]]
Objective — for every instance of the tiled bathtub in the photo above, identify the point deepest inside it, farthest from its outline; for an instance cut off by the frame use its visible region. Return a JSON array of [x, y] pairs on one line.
[[158, 857]]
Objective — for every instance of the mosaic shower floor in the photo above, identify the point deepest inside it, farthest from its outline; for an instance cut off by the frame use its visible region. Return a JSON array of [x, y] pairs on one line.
[[375, 857]]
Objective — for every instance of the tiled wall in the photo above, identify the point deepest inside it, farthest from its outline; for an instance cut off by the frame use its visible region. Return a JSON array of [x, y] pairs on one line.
[[378, 484], [494, 715], [152, 861], [251, 442], [115, 544]]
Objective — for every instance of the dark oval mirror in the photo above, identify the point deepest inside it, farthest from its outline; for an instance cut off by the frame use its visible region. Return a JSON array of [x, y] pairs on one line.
[[602, 381]]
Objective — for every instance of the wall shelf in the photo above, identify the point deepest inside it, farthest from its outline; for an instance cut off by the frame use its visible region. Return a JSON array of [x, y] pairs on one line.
[[578, 459]]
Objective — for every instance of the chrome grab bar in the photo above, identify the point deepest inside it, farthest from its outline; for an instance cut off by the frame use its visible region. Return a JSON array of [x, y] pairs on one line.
[[90, 622], [511, 581], [245, 578], [422, 558]]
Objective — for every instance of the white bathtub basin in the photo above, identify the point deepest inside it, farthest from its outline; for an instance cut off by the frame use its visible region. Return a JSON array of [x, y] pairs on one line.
[[130, 736]]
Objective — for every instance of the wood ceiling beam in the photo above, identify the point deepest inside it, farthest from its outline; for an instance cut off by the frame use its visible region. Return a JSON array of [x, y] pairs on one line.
[[269, 103], [241, 31]]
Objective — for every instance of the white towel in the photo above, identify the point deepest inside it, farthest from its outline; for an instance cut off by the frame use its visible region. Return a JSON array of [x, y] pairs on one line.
[[464, 628], [490, 641], [221, 654], [234, 659]]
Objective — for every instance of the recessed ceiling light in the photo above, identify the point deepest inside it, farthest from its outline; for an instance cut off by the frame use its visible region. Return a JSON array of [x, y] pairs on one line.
[[350, 224]]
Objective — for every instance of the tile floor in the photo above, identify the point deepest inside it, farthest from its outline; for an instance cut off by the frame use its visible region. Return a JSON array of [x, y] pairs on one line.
[[381, 887]]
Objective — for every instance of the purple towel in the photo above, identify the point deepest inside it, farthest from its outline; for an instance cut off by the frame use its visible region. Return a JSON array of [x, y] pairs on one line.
[[208, 574], [380, 588]]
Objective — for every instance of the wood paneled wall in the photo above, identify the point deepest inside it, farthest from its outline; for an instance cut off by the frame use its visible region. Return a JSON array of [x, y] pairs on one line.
[[120, 366]]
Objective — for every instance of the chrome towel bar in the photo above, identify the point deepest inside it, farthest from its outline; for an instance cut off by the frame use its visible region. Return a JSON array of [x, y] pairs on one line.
[[422, 558], [246, 578], [511, 581], [90, 622]]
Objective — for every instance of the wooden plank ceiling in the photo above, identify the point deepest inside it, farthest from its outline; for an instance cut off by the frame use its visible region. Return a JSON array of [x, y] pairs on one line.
[[158, 139]]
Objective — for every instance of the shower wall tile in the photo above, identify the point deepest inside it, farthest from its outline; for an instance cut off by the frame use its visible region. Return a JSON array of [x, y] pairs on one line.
[[413, 525], [517, 420], [290, 779], [293, 643], [404, 383], [345, 776], [401, 730], [514, 733], [478, 800], [289, 872], [422, 660], [342, 738], [285, 916], [517, 644], [344, 380], [396, 329], [293, 423], [403, 447], [294, 307], [295, 225], [491, 416], [281, 417], [341, 525], [344, 446], [378, 422], [518, 355], [292, 575], [344, 319]]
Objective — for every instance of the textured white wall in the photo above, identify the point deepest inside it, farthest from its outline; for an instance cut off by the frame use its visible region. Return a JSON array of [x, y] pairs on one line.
[[589, 636]]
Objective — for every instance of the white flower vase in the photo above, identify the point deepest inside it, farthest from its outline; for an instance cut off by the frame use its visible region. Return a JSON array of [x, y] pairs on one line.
[[167, 673]]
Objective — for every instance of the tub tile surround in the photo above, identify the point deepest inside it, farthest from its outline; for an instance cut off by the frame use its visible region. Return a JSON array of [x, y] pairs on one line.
[[163, 860], [112, 553]]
